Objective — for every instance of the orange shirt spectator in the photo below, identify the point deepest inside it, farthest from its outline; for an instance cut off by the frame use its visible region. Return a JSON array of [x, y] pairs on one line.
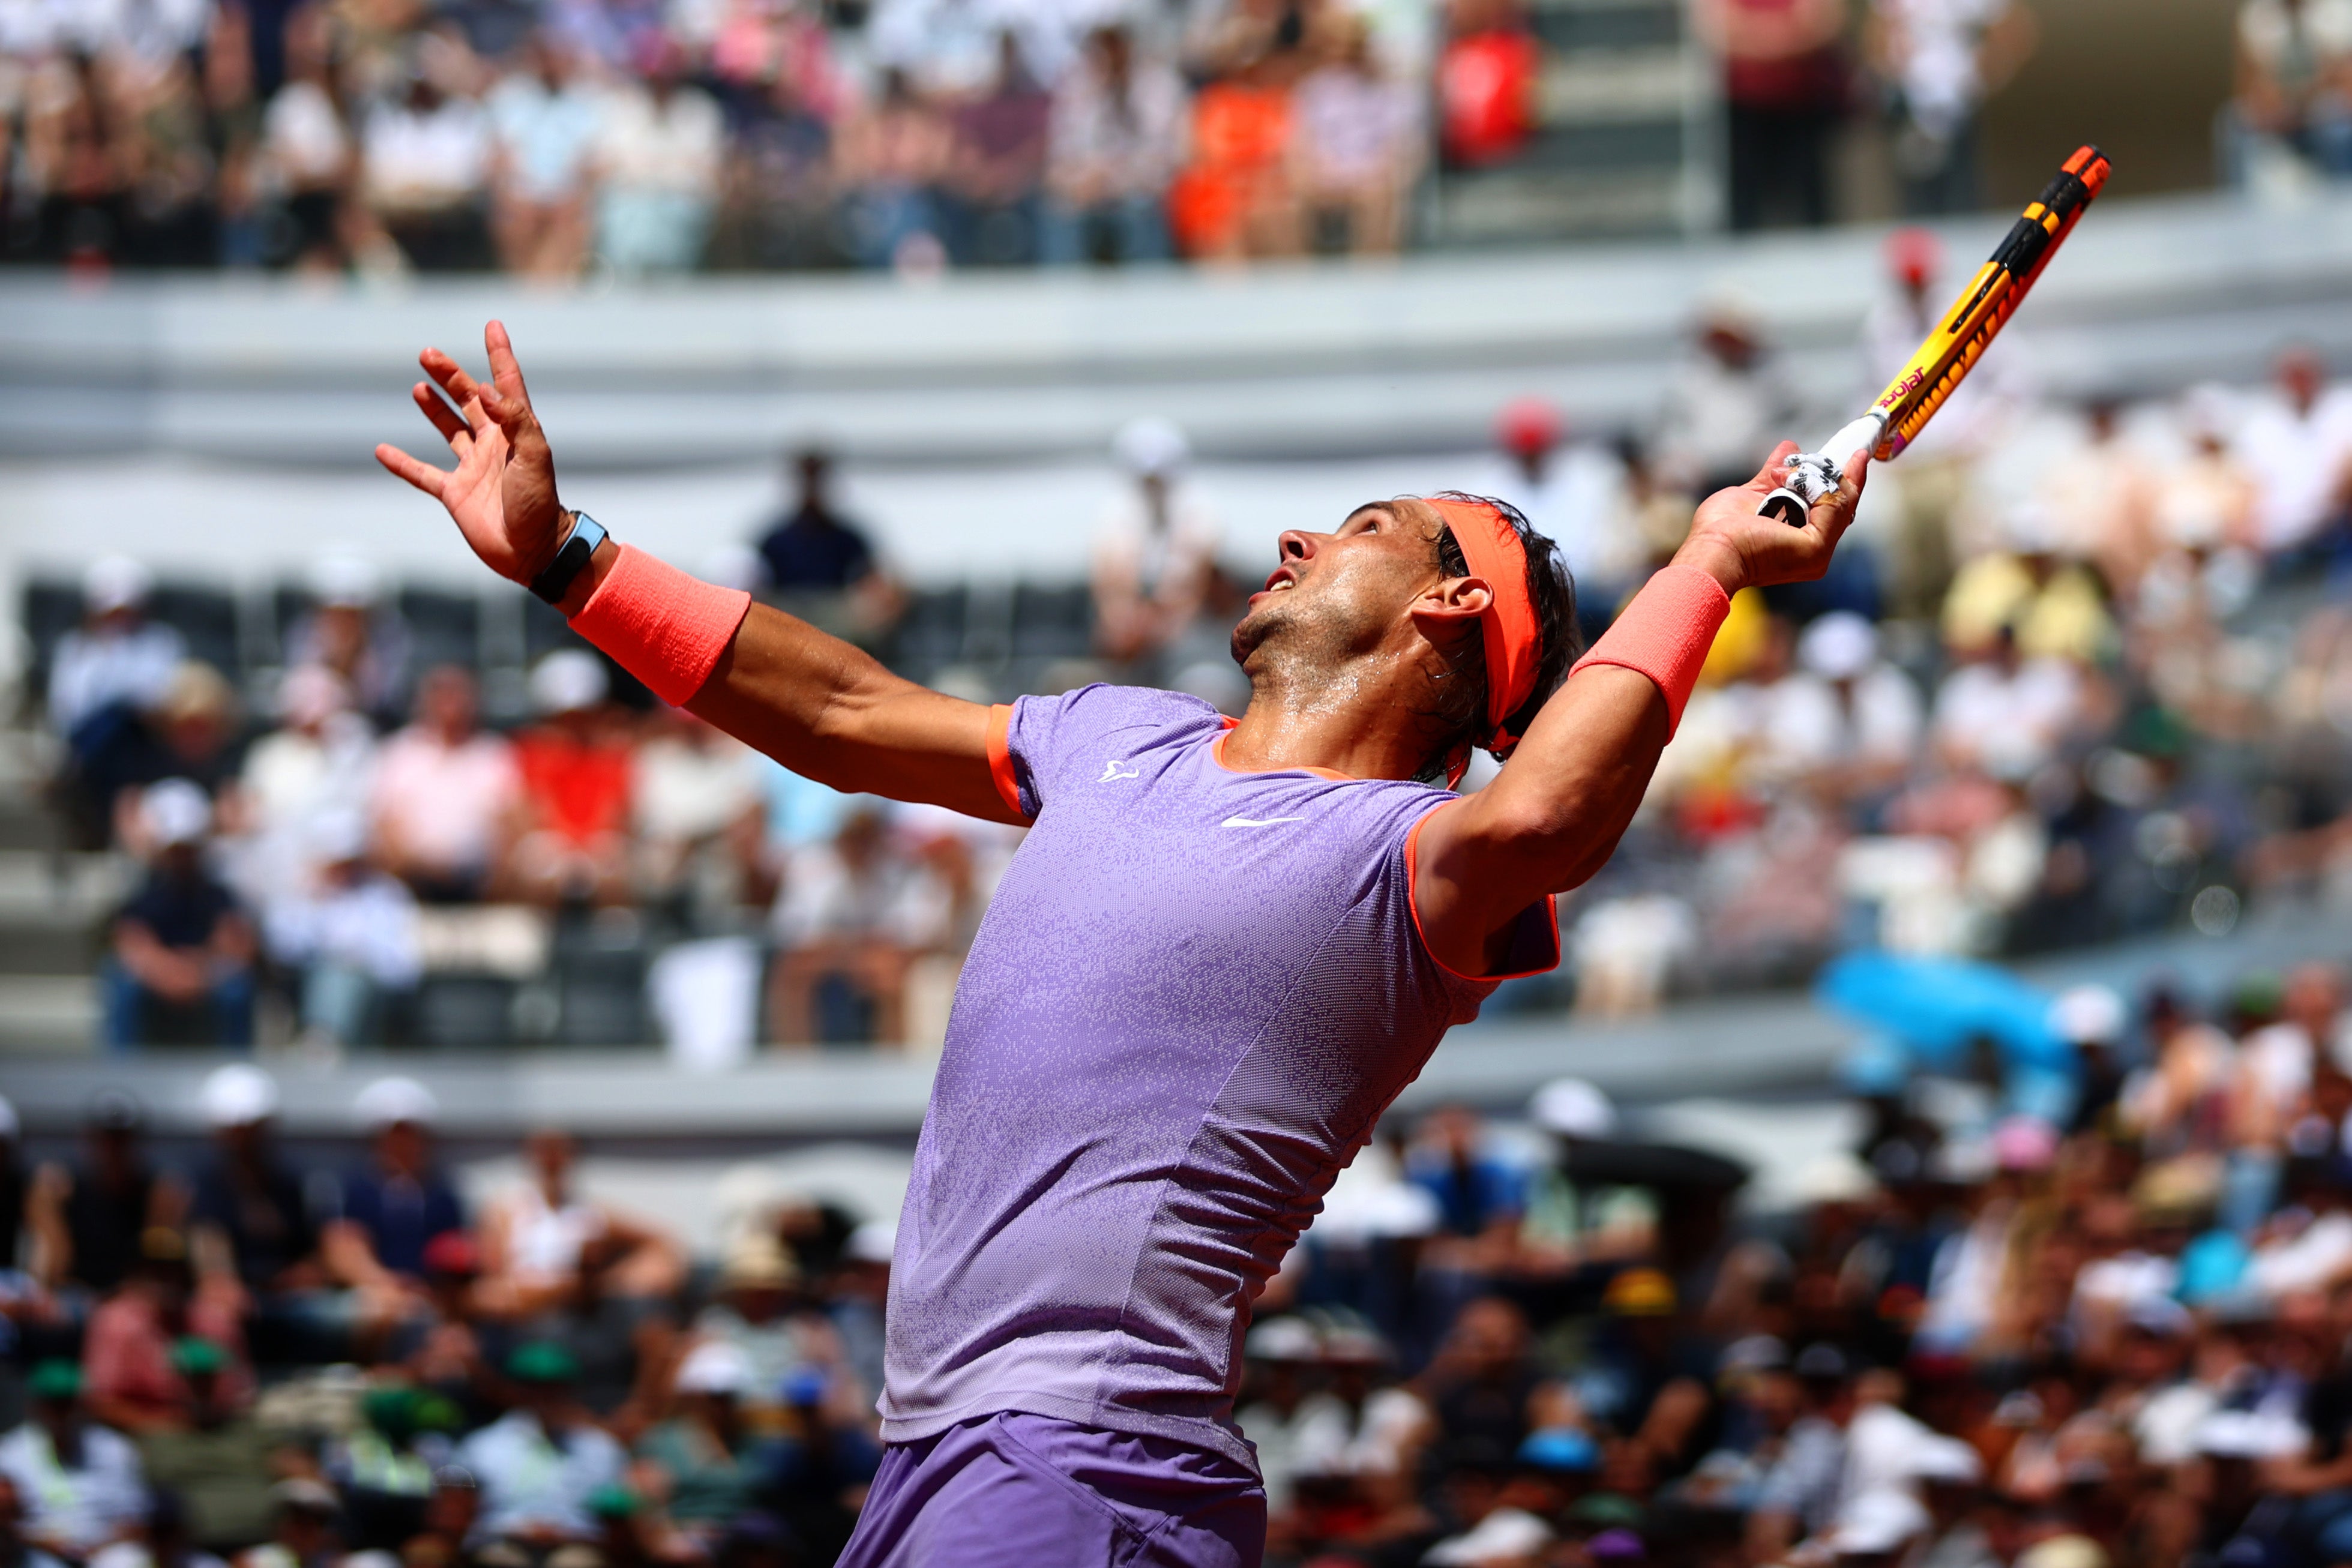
[[1235, 198], [577, 786]]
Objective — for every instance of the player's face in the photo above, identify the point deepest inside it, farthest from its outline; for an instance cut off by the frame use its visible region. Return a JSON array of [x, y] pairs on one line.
[[1341, 592]]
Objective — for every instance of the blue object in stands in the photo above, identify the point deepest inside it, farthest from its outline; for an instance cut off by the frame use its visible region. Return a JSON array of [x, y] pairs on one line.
[[1938, 1007]]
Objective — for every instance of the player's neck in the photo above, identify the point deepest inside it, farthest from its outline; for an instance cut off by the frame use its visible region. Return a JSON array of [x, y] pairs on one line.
[[1347, 724]]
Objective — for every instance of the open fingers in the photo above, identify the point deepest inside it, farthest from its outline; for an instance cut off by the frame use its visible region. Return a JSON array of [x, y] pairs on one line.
[[449, 376], [443, 418], [424, 476], [504, 368]]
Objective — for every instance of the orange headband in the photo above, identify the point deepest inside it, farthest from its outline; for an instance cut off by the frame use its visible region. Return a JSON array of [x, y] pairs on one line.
[[1492, 550]]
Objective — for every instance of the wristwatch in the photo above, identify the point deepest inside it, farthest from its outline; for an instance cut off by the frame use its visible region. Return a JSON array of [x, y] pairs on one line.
[[587, 533]]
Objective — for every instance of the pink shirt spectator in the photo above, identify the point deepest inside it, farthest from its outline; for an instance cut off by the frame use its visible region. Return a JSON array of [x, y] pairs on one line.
[[441, 804]]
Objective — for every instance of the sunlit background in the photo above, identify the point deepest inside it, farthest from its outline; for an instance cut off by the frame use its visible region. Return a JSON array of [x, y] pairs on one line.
[[1934, 1148]]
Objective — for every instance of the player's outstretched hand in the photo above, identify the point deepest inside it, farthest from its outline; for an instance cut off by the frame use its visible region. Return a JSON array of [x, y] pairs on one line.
[[1740, 548], [502, 493]]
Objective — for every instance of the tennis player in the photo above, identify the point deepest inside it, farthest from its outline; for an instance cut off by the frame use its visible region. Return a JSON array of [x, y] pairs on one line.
[[1220, 952]]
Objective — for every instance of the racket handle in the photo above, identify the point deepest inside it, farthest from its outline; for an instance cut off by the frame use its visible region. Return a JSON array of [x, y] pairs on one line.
[[1812, 474]]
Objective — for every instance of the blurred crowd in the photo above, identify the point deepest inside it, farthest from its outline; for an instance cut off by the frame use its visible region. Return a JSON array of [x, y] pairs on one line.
[[550, 137], [2078, 673], [2084, 1306], [243, 1358]]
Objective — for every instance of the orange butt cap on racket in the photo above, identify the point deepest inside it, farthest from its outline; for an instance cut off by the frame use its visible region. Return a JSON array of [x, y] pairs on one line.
[[1926, 382]]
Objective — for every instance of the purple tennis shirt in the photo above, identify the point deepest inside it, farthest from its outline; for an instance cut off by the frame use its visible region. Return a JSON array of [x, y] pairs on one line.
[[1193, 995]]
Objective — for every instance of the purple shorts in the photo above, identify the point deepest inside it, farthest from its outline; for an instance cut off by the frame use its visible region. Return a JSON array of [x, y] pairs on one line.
[[1016, 1491]]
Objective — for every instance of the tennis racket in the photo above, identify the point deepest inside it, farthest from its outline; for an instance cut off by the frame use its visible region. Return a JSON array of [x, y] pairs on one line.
[[1960, 339]]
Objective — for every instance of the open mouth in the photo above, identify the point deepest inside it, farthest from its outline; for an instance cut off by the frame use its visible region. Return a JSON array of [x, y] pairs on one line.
[[1284, 579]]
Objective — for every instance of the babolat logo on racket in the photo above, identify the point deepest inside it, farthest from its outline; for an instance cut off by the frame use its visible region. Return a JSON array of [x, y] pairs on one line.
[[1903, 389]]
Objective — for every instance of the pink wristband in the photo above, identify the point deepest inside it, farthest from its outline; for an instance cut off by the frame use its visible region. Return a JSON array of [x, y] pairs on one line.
[[1665, 634], [662, 626]]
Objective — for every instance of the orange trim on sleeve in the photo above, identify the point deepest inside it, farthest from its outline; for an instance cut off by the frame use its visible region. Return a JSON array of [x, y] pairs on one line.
[[1000, 759], [1412, 902]]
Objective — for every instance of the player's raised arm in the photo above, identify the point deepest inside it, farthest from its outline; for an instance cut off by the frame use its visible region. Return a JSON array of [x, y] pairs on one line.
[[812, 702], [1555, 813]]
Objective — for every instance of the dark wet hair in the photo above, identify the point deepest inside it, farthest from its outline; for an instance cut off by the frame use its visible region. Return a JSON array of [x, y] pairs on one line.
[[1462, 694]]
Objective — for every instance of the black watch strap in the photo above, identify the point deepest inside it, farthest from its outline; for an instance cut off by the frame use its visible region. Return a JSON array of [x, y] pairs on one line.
[[551, 584]]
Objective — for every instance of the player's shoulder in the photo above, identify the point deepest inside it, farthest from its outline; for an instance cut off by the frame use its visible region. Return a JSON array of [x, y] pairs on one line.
[[1127, 720]]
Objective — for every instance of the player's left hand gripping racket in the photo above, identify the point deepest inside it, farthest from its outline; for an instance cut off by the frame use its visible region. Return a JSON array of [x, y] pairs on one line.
[[1956, 345]]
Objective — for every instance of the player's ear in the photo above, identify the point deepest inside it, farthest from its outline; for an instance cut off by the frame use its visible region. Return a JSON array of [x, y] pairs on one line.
[[1446, 606]]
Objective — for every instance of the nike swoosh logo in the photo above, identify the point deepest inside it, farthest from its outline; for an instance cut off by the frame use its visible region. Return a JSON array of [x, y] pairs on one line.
[[1256, 822]]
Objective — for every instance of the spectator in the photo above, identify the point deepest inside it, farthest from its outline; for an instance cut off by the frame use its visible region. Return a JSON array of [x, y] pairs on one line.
[[851, 918], [207, 1452], [352, 634], [1155, 554], [707, 1465], [2293, 105], [79, 1484], [759, 1313], [303, 1535], [536, 1238], [574, 769], [998, 165], [1115, 140], [250, 1220], [540, 1462], [396, 1203], [298, 782], [1942, 58], [183, 949], [86, 1222], [819, 557], [700, 820], [1234, 201], [657, 161], [447, 794], [348, 935], [1850, 721], [117, 663], [1784, 92], [189, 734], [307, 156], [1358, 141], [1727, 403], [425, 169], [134, 1379], [893, 153], [2298, 447], [546, 123], [2102, 495]]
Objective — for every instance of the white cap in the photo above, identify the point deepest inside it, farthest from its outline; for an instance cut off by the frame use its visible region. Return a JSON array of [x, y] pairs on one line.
[[176, 811], [114, 583], [1937, 1458], [1573, 1108], [391, 1100], [714, 1366], [1834, 1176], [1506, 1535], [237, 1095], [1878, 1522], [2088, 1015], [1145, 446], [1839, 647], [871, 1242], [1283, 1339], [568, 680], [9, 1125], [345, 582]]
